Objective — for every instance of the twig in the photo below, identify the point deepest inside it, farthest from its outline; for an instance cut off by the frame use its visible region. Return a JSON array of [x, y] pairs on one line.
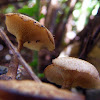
[[17, 54], [84, 51], [91, 41]]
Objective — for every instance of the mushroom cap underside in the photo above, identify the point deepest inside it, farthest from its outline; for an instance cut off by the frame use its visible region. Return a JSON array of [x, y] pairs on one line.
[[29, 31], [37, 89]]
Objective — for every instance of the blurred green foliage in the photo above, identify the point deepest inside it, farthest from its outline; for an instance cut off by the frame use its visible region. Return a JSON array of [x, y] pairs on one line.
[[79, 11], [40, 75], [29, 11], [33, 11], [34, 63]]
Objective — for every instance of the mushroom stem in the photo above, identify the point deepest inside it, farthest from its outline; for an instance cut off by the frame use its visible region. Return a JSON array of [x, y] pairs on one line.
[[20, 45], [17, 54], [67, 85]]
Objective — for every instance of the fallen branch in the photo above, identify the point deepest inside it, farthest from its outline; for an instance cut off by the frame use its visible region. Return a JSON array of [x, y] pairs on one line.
[[90, 43], [17, 54]]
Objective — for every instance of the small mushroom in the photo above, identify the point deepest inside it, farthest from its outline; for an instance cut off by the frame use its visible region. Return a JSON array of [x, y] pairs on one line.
[[14, 89], [29, 32], [72, 72]]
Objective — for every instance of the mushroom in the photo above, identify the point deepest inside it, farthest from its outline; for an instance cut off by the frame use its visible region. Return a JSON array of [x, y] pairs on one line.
[[72, 72], [32, 89], [29, 32]]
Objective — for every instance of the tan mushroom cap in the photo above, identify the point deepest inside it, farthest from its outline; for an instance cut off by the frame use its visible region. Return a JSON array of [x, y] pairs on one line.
[[29, 32], [72, 72], [38, 89]]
